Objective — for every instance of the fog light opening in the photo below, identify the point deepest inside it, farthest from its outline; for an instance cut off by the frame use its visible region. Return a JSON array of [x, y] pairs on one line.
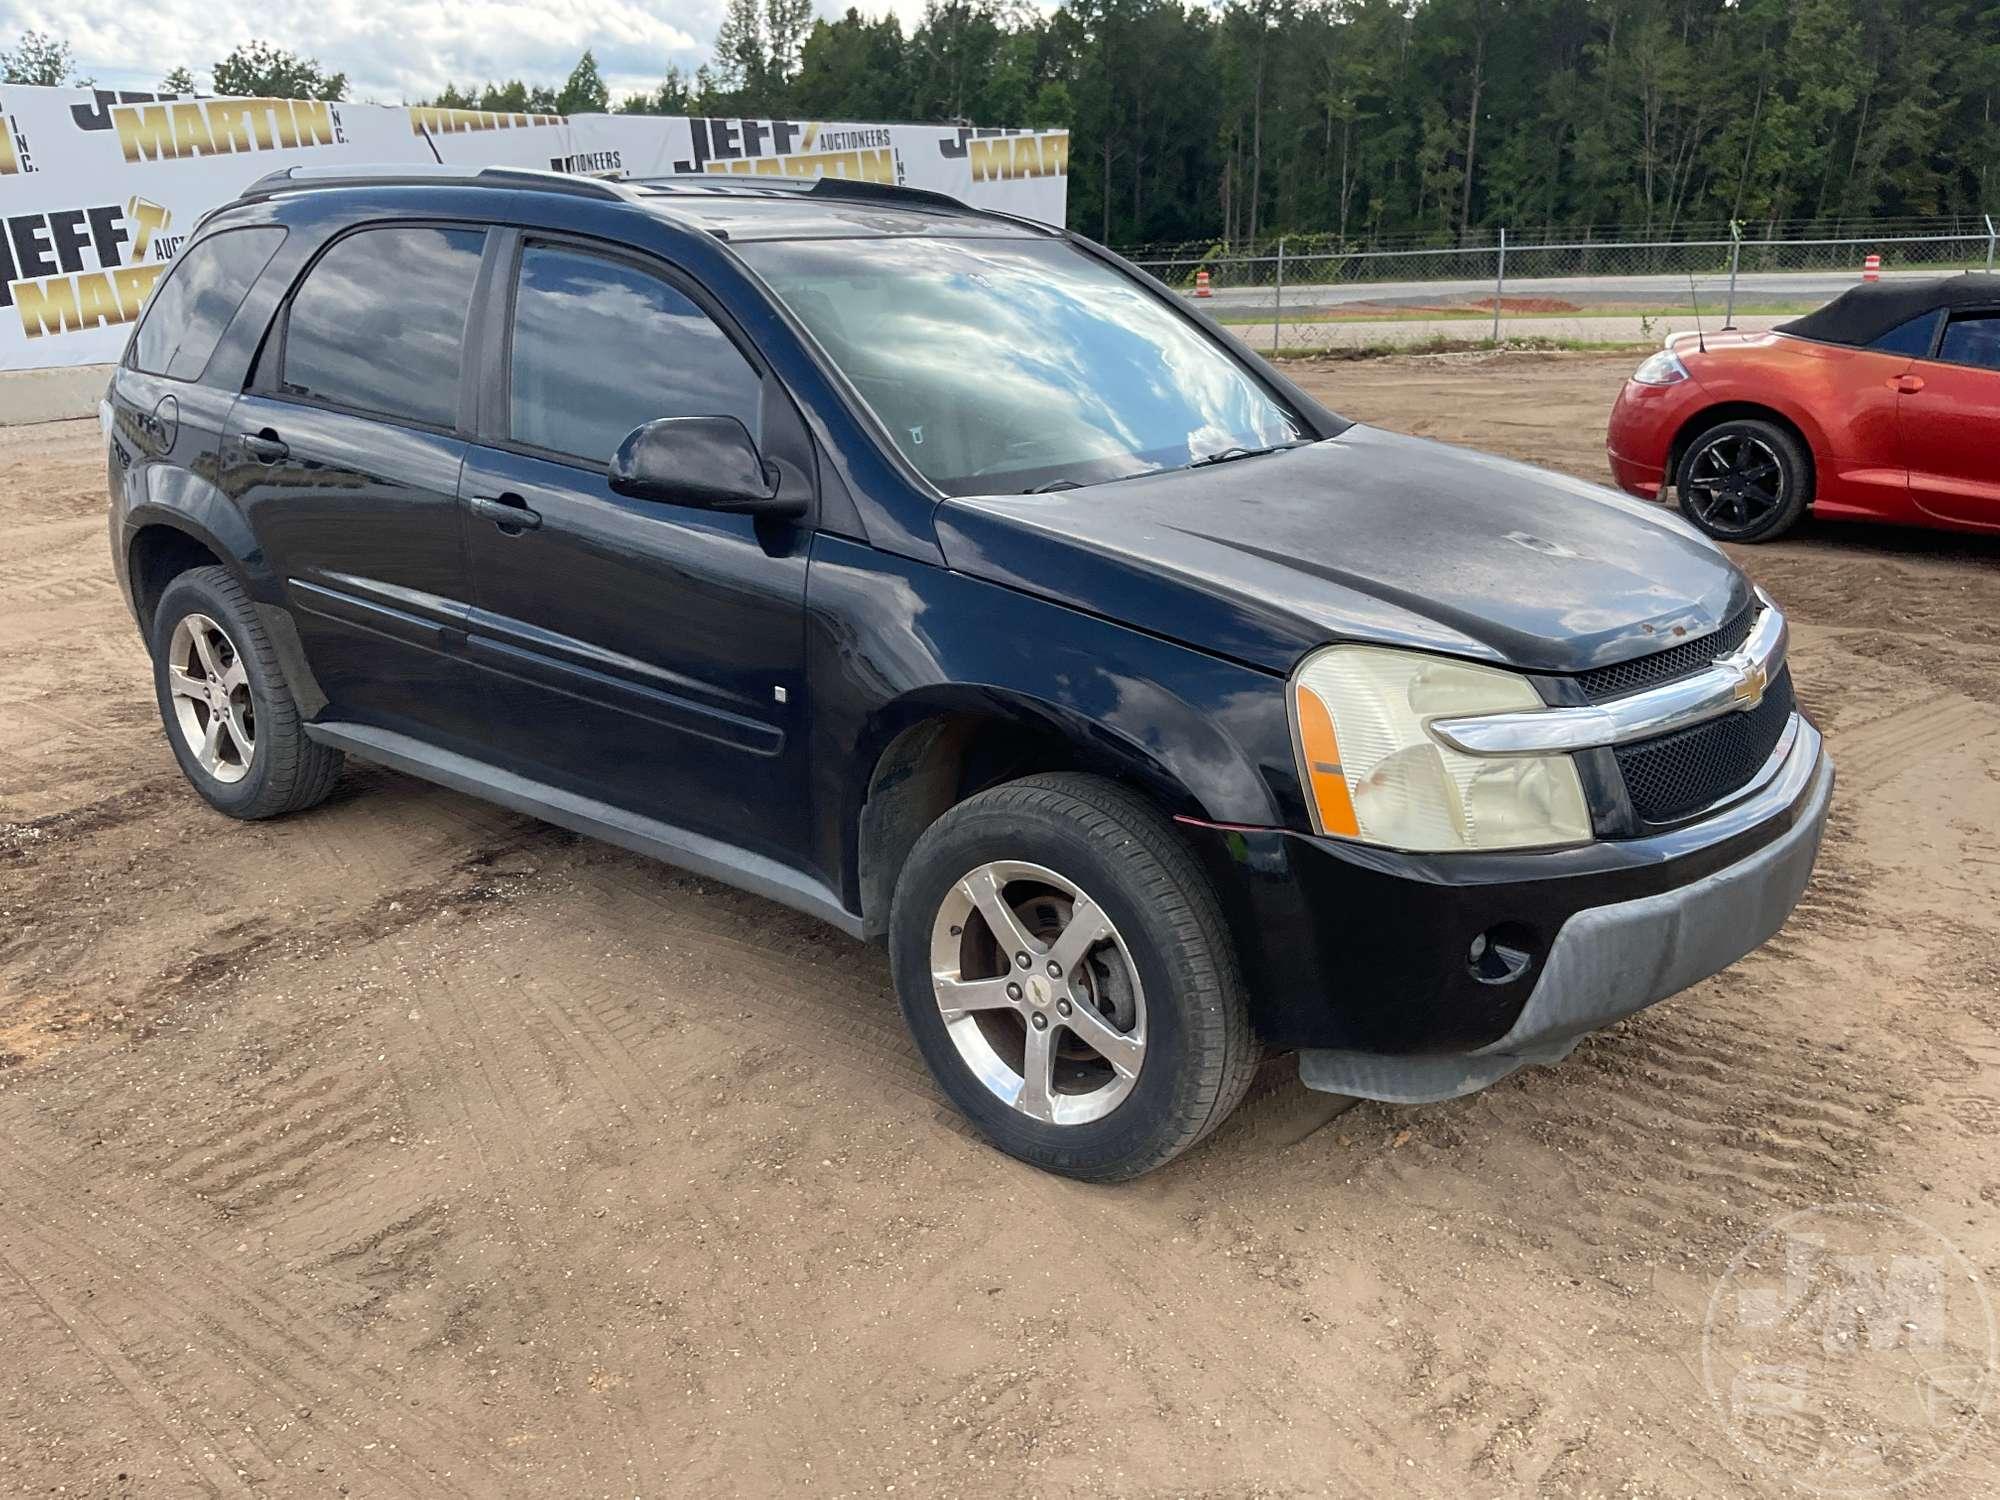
[[1501, 954]]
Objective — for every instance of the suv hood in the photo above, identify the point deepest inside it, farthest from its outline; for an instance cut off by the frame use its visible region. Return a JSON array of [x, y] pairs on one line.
[[1367, 536]]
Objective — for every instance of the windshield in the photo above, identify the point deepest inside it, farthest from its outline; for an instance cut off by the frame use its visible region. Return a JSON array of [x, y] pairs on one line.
[[1002, 365]]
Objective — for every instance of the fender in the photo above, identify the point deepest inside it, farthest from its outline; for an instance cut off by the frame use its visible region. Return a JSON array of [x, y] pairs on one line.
[[892, 641], [188, 504], [1833, 398]]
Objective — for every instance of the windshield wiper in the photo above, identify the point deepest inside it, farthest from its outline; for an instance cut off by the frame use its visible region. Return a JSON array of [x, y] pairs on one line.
[[1053, 485], [1230, 455]]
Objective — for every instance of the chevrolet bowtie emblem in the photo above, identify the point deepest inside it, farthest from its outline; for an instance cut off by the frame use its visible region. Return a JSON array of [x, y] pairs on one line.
[[1751, 679]]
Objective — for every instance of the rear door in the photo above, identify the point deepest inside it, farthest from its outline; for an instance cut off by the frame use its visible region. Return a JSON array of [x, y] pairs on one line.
[[641, 654], [345, 457], [1950, 415]]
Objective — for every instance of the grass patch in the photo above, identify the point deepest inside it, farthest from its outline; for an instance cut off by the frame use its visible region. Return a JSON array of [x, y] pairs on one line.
[[1485, 315], [1444, 345]]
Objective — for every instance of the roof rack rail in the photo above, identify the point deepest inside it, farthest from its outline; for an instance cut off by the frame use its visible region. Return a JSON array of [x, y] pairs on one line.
[[426, 174], [820, 187]]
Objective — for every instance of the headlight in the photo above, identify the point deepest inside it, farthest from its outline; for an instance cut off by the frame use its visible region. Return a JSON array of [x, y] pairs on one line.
[[1664, 368], [1373, 771]]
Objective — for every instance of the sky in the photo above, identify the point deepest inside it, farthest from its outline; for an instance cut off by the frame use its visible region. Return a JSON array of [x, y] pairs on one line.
[[393, 50]]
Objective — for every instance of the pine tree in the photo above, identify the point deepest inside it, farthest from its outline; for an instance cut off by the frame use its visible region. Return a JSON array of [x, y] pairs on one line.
[[740, 59], [584, 93]]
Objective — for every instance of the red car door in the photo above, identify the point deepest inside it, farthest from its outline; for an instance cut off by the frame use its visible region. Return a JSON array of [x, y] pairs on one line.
[[1949, 410]]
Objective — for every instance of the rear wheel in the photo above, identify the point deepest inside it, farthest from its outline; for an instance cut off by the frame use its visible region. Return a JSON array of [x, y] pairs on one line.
[[1063, 964], [1745, 481], [228, 711]]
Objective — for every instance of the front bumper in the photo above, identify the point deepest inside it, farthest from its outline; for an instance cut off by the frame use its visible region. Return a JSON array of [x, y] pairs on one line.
[[1640, 433], [1361, 959], [1636, 476], [1606, 963]]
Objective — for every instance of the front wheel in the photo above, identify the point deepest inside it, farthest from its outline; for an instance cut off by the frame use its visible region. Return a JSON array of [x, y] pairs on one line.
[[1746, 481], [1064, 966]]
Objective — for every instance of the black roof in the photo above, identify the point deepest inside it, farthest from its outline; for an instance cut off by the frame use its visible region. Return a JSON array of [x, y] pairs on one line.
[[1862, 314]]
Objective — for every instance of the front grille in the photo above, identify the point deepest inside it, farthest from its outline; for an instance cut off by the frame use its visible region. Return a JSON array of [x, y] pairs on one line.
[[1664, 666], [1677, 774]]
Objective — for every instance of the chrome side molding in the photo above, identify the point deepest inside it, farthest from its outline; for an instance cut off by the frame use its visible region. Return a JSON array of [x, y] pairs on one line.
[[1735, 683]]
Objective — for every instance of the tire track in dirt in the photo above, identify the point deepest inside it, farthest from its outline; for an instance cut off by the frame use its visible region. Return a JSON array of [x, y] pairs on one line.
[[43, 1320], [195, 1329], [1876, 752]]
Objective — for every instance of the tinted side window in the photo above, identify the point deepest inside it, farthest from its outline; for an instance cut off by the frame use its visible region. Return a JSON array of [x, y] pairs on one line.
[[1973, 341], [199, 297], [601, 346], [1912, 338], [379, 324]]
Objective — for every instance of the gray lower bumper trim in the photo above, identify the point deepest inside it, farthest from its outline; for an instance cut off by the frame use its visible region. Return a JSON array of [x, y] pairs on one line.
[[1606, 963]]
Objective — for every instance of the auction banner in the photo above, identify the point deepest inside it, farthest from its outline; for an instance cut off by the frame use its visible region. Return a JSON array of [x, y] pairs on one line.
[[99, 189]]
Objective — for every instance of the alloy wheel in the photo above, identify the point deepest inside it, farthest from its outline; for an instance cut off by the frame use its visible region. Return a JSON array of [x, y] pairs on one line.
[[1735, 483], [1038, 992], [210, 691]]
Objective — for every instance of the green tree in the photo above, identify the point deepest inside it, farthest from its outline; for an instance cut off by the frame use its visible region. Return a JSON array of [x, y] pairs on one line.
[[1413, 122], [180, 81], [673, 96], [259, 70], [786, 24], [740, 58], [39, 58], [584, 93]]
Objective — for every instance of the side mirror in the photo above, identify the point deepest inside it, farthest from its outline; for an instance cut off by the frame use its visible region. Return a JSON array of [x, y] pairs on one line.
[[708, 462]]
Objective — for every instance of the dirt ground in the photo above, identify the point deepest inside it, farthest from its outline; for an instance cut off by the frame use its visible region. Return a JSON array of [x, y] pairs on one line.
[[410, 1147]]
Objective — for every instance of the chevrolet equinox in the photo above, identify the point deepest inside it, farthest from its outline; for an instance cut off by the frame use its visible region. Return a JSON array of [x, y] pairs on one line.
[[941, 575]]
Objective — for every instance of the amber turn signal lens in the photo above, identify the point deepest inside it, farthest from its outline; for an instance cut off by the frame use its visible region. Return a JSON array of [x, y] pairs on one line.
[[1324, 778]]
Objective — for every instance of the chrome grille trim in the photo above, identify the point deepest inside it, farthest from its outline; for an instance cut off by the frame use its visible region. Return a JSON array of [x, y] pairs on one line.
[[1733, 683]]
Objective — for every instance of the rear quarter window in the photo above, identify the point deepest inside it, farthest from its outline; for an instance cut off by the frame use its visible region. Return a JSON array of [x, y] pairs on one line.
[[1973, 340], [198, 298], [1912, 338]]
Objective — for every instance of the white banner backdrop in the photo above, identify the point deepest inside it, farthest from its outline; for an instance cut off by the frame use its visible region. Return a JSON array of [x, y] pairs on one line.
[[99, 190]]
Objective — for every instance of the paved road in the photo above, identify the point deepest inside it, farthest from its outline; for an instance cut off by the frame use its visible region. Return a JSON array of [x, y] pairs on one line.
[[1667, 291], [1304, 337]]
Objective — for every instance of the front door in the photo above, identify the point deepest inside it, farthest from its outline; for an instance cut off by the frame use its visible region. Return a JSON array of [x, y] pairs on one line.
[[640, 654], [345, 456], [1950, 415]]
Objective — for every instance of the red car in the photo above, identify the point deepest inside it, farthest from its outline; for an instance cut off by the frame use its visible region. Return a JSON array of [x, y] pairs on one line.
[[1884, 405]]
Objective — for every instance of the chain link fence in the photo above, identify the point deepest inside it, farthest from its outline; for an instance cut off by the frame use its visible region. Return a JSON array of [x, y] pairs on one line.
[[1312, 299]]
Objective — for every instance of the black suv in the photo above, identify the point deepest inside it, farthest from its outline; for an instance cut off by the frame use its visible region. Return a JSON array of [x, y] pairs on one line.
[[939, 574]]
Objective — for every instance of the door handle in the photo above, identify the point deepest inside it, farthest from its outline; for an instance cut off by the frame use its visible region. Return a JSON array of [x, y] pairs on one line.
[[265, 446], [1909, 385], [509, 512]]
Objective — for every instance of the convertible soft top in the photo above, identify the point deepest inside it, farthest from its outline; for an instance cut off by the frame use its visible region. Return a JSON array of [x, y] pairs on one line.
[[1862, 314]]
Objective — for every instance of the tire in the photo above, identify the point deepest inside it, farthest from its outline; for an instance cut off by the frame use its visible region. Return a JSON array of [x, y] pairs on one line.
[[1159, 987], [1744, 481], [250, 759]]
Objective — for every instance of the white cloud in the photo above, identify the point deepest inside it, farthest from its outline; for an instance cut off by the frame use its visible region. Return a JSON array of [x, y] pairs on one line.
[[401, 49]]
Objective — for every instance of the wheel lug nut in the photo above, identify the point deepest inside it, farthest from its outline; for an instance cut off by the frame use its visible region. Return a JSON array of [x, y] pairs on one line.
[[1041, 1021], [1022, 959], [1062, 1007], [1013, 992], [1055, 970]]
